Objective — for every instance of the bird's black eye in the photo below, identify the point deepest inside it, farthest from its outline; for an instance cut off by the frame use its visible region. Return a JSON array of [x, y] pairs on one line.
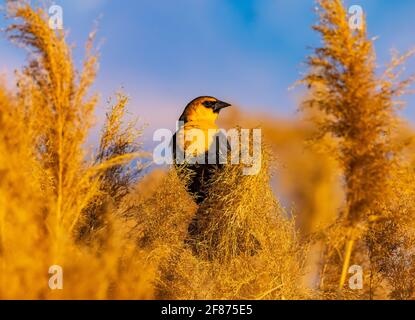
[[208, 104]]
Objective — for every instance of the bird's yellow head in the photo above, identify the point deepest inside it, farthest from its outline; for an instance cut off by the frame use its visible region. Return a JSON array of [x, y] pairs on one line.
[[204, 109]]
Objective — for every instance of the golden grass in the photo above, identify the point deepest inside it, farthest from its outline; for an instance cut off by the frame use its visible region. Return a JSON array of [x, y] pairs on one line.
[[47, 186], [358, 110], [244, 246]]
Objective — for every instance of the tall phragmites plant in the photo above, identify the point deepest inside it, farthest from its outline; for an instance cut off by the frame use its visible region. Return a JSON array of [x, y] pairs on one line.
[[359, 112], [47, 183]]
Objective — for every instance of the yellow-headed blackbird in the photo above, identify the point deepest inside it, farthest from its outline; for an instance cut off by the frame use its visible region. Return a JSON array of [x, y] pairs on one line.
[[199, 117]]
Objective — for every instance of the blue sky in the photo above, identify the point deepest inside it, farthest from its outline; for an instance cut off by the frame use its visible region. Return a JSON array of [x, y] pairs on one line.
[[248, 52]]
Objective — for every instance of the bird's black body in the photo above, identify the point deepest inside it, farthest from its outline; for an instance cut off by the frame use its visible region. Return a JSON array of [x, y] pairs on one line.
[[199, 175]]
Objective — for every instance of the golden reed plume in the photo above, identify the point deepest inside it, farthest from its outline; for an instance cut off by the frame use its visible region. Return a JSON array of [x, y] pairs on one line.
[[358, 111]]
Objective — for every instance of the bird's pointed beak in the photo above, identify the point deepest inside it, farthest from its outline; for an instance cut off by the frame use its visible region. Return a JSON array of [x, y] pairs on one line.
[[219, 105]]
